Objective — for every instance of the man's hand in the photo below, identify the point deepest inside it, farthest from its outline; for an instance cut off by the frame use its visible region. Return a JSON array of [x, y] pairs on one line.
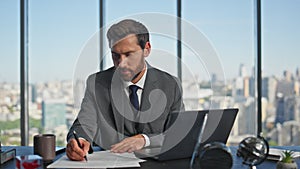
[[74, 152], [129, 144]]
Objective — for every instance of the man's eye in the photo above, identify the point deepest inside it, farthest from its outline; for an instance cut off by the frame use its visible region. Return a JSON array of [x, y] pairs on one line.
[[115, 55]]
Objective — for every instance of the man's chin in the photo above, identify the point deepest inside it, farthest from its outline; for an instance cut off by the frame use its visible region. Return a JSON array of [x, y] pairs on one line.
[[126, 78]]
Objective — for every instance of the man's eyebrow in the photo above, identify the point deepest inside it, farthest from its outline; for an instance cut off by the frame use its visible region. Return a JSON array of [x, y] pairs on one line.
[[127, 52]]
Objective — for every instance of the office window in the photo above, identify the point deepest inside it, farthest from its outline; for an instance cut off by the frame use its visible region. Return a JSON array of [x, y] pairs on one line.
[[9, 72], [280, 83], [218, 60], [62, 34], [58, 33], [154, 15]]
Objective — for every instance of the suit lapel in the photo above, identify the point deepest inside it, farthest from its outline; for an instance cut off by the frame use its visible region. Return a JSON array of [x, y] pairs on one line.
[[150, 85]]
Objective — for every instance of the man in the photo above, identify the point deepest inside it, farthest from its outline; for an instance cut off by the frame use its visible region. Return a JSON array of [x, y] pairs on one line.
[[116, 115]]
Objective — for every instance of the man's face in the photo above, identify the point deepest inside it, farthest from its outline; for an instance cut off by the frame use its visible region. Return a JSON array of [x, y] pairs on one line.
[[129, 57]]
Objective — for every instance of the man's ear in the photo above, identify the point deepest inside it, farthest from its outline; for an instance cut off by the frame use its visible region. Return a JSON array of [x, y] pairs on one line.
[[147, 49]]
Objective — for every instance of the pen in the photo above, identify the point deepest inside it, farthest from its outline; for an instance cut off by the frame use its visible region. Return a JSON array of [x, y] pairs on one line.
[[77, 140]]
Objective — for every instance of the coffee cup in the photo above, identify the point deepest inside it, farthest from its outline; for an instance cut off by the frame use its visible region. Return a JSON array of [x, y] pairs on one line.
[[44, 146]]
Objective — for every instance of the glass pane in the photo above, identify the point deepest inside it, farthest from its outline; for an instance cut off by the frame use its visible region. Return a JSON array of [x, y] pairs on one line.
[[9, 72], [218, 60], [155, 16], [58, 32], [280, 90]]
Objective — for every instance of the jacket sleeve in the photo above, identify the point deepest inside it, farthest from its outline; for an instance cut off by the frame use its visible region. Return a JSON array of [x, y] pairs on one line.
[[85, 123]]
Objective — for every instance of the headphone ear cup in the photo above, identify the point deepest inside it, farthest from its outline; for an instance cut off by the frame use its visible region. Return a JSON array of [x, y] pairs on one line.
[[215, 155]]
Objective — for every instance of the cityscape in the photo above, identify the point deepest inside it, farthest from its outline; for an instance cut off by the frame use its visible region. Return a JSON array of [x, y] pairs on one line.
[[53, 106]]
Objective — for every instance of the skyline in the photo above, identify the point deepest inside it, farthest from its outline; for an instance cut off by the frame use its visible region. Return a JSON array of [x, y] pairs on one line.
[[55, 45]]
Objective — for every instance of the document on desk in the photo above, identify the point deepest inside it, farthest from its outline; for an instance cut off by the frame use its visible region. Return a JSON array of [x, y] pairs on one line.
[[276, 154], [100, 159]]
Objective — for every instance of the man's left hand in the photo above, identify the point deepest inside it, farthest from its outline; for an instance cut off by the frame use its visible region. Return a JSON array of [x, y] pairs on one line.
[[129, 144]]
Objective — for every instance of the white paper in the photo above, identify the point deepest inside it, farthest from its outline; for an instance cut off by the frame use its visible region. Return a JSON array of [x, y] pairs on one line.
[[100, 159], [276, 154]]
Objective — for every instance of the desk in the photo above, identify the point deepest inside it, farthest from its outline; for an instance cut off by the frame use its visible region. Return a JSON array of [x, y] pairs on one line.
[[151, 164]]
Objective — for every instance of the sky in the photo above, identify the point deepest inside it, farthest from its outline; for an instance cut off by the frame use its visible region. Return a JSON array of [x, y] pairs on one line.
[[60, 32]]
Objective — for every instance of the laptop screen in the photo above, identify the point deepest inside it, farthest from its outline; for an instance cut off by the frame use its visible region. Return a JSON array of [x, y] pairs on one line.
[[183, 130]]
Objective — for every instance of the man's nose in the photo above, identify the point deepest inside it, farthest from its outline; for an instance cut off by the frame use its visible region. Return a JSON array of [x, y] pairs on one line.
[[122, 60]]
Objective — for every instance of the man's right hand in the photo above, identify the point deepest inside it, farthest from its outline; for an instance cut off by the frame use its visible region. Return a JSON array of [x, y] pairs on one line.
[[74, 152]]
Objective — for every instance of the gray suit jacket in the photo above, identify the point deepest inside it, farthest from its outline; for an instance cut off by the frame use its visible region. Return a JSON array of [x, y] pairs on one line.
[[106, 116]]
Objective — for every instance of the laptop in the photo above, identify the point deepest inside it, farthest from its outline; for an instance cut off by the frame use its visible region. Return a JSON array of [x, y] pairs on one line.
[[183, 130]]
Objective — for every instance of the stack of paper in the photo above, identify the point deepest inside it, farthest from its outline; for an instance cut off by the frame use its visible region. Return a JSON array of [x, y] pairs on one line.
[[276, 154], [100, 159]]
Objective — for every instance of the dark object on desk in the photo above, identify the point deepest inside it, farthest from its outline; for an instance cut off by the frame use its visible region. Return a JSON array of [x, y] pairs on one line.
[[183, 131], [60, 150], [7, 155], [44, 146], [254, 150], [215, 155]]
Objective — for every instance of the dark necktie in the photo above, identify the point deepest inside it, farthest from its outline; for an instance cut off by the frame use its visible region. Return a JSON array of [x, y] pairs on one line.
[[133, 96]]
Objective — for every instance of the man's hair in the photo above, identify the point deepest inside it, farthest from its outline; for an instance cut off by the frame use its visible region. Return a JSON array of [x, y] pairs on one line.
[[127, 27]]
